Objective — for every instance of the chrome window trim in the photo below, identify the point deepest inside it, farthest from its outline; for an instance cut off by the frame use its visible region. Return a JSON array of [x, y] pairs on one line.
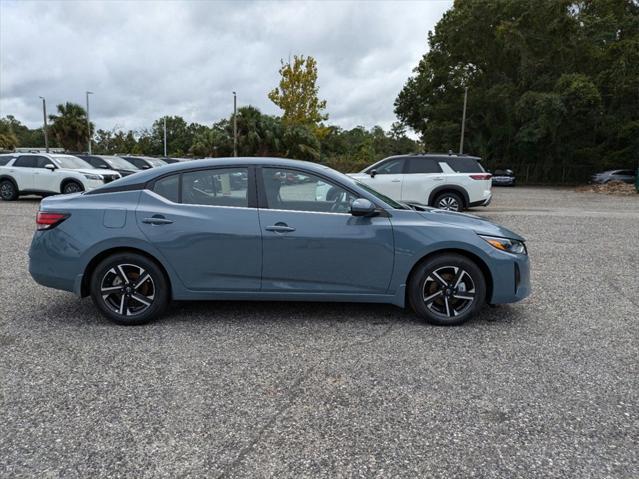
[[165, 200]]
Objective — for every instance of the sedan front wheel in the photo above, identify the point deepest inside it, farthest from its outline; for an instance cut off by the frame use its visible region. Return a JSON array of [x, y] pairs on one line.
[[447, 289]]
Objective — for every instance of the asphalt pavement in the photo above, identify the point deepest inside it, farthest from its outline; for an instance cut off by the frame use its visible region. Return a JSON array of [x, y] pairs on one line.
[[543, 388]]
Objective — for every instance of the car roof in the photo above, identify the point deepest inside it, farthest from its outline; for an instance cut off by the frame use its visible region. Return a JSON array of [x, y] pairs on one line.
[[145, 176]]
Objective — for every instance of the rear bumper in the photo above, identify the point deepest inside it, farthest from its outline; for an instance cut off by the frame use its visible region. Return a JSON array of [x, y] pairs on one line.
[[484, 202], [49, 268]]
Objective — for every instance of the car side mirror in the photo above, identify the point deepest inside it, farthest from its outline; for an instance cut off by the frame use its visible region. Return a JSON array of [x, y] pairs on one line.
[[104, 167], [50, 166], [373, 173], [362, 207]]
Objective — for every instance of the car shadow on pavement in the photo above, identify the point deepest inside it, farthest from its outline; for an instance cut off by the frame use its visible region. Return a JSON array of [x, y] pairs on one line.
[[73, 311]]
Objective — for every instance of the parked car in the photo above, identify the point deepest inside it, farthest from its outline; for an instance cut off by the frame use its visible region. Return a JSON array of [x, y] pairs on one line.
[[504, 178], [186, 232], [109, 162], [448, 182], [627, 176], [48, 173], [174, 160], [144, 162]]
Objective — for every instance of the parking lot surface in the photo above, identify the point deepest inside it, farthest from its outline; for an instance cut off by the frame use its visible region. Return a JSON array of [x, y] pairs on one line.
[[544, 388]]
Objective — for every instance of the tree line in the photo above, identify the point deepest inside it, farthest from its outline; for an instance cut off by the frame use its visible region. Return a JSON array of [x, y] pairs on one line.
[[553, 85], [553, 94]]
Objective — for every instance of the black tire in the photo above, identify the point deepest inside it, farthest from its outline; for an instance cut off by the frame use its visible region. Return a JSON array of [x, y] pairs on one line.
[[443, 305], [71, 187], [8, 190], [107, 277], [449, 201]]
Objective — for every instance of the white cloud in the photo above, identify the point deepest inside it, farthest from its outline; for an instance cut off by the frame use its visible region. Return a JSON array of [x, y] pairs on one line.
[[144, 60]]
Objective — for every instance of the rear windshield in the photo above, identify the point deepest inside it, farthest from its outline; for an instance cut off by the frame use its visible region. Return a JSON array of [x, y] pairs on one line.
[[464, 165]]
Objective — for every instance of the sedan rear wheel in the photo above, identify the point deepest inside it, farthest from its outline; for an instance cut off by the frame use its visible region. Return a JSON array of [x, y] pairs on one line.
[[447, 289], [129, 289]]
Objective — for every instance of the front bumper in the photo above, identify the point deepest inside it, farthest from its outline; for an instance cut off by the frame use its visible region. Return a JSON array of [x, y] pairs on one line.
[[511, 278]]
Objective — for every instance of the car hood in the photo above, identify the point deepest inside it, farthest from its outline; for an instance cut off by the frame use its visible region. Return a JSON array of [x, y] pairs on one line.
[[472, 222], [358, 176]]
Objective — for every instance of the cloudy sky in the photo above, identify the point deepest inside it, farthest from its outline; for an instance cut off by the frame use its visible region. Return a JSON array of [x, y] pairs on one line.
[[147, 59]]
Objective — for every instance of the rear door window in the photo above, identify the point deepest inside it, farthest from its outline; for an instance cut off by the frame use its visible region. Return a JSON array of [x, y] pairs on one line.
[[168, 188], [423, 165], [26, 161], [216, 187], [464, 165]]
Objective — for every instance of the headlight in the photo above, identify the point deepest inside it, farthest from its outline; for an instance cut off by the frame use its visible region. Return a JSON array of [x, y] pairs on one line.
[[505, 244], [89, 176]]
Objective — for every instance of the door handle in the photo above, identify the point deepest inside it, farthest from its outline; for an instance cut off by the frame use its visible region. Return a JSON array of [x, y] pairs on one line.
[[157, 220], [280, 228], [395, 181], [438, 178]]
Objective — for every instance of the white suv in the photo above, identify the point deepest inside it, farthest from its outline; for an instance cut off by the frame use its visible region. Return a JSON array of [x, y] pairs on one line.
[[449, 182], [45, 174]]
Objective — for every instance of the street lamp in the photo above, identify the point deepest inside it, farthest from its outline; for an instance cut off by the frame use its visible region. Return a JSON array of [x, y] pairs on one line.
[[461, 141], [44, 115], [234, 124], [165, 155], [89, 121]]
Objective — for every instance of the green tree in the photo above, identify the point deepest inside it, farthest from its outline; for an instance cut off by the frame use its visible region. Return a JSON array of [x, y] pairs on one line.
[[69, 127], [553, 85], [8, 138], [297, 93]]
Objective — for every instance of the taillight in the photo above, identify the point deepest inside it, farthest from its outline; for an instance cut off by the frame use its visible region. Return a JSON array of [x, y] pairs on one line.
[[485, 176], [46, 220]]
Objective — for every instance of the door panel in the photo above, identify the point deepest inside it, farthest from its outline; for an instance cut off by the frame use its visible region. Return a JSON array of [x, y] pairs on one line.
[[44, 179], [212, 248], [326, 252], [390, 185], [311, 245]]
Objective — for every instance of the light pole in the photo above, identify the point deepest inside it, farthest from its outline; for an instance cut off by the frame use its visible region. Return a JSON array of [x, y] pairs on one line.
[[234, 124], [461, 141], [165, 155], [89, 121], [46, 133]]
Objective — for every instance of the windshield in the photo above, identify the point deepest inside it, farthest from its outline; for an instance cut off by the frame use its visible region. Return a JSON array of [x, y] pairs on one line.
[[156, 161], [390, 202], [71, 162], [119, 163]]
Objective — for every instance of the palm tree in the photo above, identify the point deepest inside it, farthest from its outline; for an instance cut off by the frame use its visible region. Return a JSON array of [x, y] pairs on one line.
[[70, 128]]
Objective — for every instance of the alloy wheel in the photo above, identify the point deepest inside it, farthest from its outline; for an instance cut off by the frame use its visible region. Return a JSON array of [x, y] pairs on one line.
[[72, 188], [6, 190], [449, 291], [448, 203], [127, 289]]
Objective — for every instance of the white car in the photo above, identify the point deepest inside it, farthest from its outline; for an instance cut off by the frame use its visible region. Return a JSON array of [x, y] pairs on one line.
[[449, 182], [46, 174]]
